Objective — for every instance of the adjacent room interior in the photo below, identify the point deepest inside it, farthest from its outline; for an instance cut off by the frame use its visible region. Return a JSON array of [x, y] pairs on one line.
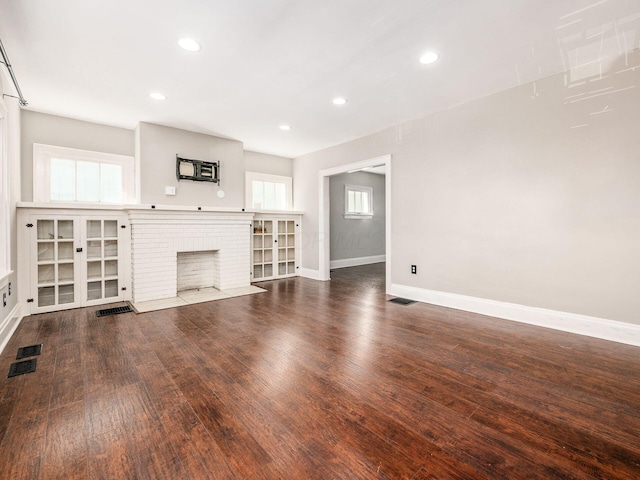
[[340, 239]]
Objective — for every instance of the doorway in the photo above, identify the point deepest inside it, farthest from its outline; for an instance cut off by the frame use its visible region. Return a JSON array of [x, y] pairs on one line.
[[324, 217]]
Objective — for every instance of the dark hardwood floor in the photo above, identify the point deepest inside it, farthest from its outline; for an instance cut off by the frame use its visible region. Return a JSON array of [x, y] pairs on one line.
[[316, 380]]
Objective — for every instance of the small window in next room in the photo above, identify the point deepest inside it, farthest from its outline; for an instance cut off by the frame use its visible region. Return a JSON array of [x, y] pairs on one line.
[[268, 192], [69, 175], [358, 202]]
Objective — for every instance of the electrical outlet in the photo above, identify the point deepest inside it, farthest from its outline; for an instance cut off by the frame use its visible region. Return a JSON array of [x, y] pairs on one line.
[[414, 269]]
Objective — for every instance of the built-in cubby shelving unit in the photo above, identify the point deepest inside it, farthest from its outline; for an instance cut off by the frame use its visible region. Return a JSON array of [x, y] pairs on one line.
[[275, 246], [73, 260]]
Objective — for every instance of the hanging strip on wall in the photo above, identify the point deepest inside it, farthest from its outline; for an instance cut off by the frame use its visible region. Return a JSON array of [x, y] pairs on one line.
[[7, 63]]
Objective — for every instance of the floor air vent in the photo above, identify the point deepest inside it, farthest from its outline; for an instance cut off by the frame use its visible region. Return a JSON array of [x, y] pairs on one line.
[[30, 351], [113, 311], [20, 368], [402, 301]]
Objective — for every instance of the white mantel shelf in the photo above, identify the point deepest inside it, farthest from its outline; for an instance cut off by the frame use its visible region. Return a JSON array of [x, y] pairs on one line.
[[133, 207], [149, 208]]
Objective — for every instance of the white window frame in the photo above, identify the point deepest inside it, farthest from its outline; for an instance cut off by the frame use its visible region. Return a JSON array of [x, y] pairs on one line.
[[42, 155], [5, 231], [264, 177], [357, 215]]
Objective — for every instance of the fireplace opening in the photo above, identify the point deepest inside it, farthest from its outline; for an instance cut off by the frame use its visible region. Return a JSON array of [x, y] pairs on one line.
[[198, 270]]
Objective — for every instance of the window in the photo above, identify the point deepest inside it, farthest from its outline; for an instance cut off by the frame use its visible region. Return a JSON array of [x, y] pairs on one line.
[[268, 192], [69, 175], [5, 267], [358, 202]]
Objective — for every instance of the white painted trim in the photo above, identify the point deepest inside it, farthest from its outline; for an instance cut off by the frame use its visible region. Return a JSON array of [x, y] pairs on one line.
[[4, 278], [42, 155], [9, 325], [137, 160], [605, 329], [132, 207], [249, 177], [310, 273], [354, 262], [5, 197], [324, 213]]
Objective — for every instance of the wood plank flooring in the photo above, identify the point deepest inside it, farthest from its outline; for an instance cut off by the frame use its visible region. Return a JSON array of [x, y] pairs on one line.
[[316, 380]]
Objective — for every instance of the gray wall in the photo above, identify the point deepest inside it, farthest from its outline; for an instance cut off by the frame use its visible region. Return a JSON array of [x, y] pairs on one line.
[[360, 237], [271, 164], [529, 196], [158, 148], [67, 132]]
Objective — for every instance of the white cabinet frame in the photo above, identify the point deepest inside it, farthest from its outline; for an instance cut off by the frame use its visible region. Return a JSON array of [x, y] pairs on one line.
[[99, 252], [275, 247]]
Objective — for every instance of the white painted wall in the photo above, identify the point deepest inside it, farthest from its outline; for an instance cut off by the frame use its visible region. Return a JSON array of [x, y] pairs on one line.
[[529, 196], [10, 314]]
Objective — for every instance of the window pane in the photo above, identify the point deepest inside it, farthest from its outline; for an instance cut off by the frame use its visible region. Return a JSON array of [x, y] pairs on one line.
[[358, 203], [110, 183], [351, 201], [281, 197], [63, 179], [88, 181], [269, 196], [365, 202], [257, 190]]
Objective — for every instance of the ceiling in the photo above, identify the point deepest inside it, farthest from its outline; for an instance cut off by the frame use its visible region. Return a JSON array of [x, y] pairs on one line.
[[267, 63]]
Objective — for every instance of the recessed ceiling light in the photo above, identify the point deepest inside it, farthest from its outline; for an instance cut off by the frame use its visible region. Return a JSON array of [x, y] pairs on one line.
[[339, 101], [189, 44], [428, 58], [158, 96], [285, 127]]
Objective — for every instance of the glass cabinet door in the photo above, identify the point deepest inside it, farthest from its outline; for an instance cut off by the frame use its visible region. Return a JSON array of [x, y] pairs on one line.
[[273, 248], [262, 249], [101, 259], [286, 247], [75, 261], [56, 270]]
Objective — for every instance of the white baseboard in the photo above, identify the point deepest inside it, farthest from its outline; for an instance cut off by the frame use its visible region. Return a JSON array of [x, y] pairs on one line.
[[354, 262], [614, 331], [310, 273], [9, 325]]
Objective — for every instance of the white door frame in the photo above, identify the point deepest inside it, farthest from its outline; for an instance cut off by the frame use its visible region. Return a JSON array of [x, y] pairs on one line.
[[324, 241]]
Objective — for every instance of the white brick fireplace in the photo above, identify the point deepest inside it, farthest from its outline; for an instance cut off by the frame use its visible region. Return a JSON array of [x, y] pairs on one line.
[[204, 240]]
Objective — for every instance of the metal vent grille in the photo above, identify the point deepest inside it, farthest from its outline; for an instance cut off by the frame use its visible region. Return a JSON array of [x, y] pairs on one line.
[[30, 351], [402, 301], [113, 311], [20, 368]]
